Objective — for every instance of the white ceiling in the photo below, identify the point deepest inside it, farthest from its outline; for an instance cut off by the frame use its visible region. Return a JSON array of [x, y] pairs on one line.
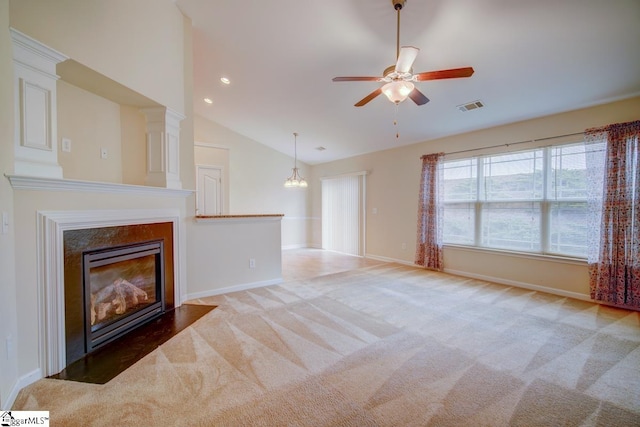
[[531, 58]]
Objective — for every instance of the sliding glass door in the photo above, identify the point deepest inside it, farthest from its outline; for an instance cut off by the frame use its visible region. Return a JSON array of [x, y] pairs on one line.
[[343, 219]]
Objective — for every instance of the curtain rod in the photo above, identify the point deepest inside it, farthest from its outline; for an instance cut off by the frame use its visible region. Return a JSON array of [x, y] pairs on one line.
[[514, 143]]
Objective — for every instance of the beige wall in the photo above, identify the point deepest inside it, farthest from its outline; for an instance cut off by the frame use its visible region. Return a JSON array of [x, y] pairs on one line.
[[256, 178], [392, 188], [187, 161], [136, 43], [91, 123], [134, 148], [8, 313]]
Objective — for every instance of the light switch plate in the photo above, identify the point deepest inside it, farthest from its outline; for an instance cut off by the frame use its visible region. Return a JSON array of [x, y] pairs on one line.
[[5, 222]]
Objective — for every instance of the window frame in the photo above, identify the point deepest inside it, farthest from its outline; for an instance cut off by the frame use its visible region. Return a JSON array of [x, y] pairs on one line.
[[546, 203]]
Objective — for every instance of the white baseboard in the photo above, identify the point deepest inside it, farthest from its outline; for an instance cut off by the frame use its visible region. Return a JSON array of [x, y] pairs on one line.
[[22, 382], [523, 285], [387, 259], [234, 288], [297, 246], [302, 246], [494, 279]]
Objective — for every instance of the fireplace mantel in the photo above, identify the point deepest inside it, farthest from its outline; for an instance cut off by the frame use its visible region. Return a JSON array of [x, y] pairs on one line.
[[50, 236], [20, 182]]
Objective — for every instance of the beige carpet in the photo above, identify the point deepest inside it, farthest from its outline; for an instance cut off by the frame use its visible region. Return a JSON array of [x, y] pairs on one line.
[[386, 345]]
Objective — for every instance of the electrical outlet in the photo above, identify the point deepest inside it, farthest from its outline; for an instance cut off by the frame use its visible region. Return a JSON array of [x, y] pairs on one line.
[[404, 246], [103, 153], [66, 145], [252, 263]]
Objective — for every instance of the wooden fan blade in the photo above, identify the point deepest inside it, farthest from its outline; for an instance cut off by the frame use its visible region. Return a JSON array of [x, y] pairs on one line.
[[418, 97], [369, 97], [356, 79], [444, 74]]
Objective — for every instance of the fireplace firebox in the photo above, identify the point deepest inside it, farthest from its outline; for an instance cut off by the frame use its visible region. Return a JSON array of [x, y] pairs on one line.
[[123, 288]]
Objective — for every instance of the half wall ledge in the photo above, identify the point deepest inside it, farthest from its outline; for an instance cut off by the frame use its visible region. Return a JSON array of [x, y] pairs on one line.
[[239, 217]]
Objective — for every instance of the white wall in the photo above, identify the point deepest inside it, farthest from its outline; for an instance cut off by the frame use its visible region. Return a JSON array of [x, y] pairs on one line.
[[8, 313], [393, 183], [227, 245]]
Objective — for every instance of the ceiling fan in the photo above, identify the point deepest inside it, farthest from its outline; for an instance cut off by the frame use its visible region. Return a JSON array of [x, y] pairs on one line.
[[399, 78]]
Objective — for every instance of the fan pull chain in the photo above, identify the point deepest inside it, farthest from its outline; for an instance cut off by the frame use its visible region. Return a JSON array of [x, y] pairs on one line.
[[395, 122]]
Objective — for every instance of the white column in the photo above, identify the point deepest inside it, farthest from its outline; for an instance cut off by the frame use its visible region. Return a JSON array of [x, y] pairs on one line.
[[35, 137], [163, 147]]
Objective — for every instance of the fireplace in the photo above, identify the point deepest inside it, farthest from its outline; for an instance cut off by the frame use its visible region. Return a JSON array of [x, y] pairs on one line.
[[115, 279], [123, 288]]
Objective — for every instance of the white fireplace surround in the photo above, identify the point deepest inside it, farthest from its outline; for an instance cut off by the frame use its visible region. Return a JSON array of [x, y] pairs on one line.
[[50, 235]]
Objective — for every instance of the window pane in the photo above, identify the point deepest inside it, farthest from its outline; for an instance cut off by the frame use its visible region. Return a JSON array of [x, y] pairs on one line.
[[511, 226], [460, 180], [568, 227], [514, 176], [459, 223], [568, 175]]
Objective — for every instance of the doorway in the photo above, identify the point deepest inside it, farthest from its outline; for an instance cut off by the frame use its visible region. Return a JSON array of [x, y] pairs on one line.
[[209, 190]]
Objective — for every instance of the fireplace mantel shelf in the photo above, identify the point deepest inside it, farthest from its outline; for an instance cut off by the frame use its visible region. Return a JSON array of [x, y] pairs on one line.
[[20, 182]]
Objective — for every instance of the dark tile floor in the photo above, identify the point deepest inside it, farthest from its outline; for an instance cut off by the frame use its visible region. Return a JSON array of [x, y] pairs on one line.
[[108, 361]]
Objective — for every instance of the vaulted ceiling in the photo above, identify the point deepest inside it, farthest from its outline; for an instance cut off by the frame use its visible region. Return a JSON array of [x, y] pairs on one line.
[[531, 59]]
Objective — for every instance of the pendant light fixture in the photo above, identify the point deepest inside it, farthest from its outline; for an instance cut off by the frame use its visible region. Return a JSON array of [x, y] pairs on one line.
[[295, 180]]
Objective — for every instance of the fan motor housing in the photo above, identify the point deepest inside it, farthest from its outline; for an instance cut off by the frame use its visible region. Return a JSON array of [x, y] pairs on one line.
[[397, 4]]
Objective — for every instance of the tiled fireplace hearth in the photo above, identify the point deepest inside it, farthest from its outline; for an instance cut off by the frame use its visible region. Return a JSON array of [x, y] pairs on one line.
[[127, 258]]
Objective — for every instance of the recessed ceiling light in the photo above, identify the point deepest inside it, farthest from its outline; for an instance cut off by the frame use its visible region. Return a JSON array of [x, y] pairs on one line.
[[208, 100], [225, 80]]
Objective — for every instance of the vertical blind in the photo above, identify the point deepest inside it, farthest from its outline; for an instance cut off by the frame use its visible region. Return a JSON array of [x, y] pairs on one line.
[[343, 213]]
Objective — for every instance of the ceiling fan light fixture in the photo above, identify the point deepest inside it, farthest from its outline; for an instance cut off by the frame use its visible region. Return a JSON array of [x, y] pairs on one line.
[[397, 91], [295, 180]]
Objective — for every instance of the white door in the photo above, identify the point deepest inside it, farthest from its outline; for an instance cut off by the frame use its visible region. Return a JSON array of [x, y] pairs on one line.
[[209, 190]]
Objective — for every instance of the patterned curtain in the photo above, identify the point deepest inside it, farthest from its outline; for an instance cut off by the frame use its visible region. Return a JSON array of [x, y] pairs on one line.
[[430, 209], [613, 164]]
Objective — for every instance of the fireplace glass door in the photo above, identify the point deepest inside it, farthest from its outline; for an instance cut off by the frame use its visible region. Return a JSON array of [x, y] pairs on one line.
[[123, 288]]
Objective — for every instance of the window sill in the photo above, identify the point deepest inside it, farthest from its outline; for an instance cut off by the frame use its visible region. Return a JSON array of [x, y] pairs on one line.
[[527, 255]]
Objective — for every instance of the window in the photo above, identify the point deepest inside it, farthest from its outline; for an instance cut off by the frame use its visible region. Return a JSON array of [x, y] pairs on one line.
[[529, 201]]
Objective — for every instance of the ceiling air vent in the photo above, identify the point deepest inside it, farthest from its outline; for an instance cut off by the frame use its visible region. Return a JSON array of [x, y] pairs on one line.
[[470, 106]]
